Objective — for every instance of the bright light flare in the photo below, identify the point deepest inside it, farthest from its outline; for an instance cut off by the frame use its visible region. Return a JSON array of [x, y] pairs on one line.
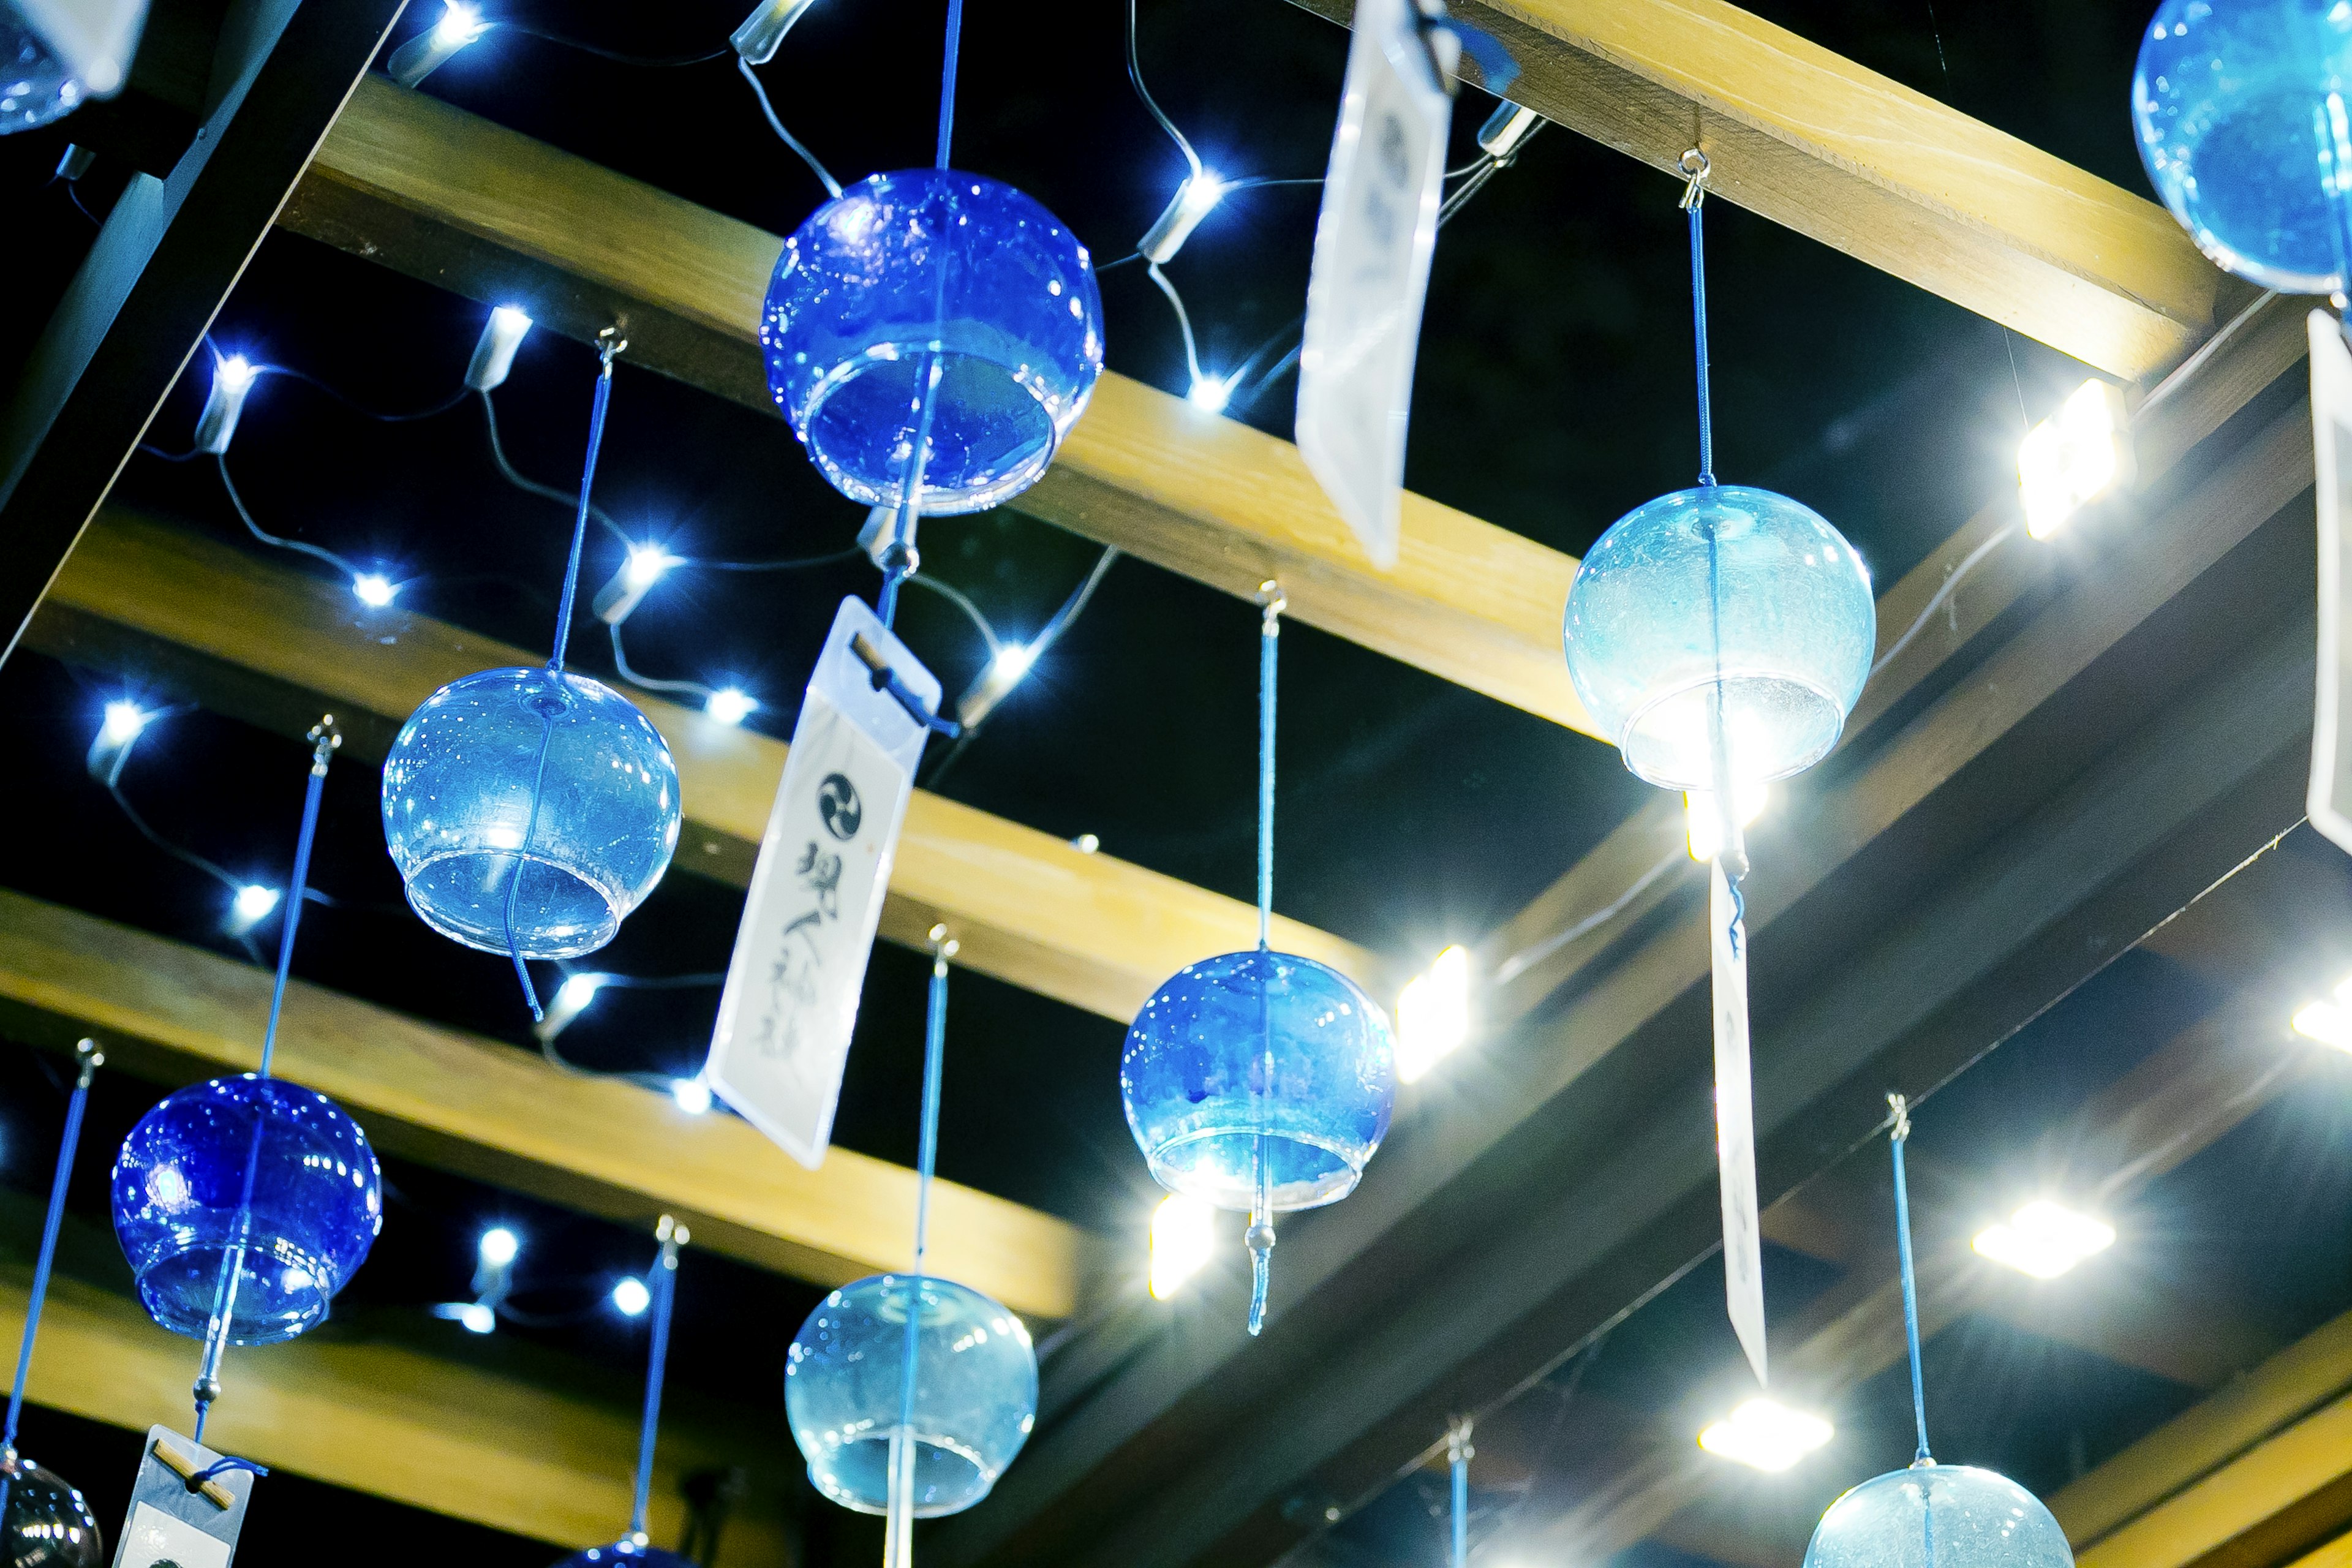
[[1766, 1435], [235, 376], [1211, 392], [692, 1095], [1703, 827], [122, 723], [2330, 1023], [2044, 1239], [1183, 1236], [1433, 1014], [1199, 193], [500, 1246], [252, 905], [460, 25], [647, 563], [730, 705], [373, 589], [2075, 455], [630, 1297], [477, 1318]]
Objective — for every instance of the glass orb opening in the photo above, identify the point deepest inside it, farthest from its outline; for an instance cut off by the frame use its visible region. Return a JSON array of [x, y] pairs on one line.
[[178, 1186], [35, 88], [2240, 112], [1938, 1516], [975, 1391], [457, 817], [905, 268], [627, 1552], [49, 1523], [1724, 588], [1252, 1049]]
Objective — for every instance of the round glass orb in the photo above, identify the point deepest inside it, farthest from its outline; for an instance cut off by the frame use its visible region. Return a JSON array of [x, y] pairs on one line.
[[318, 1203], [1938, 1516], [457, 814], [48, 1525], [930, 263], [1259, 1049], [1797, 630], [34, 88], [629, 1553], [2242, 114], [975, 1391]]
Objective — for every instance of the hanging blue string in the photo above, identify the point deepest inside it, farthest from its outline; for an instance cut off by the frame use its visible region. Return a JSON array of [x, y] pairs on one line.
[[1458, 1453], [1695, 165], [1260, 1237], [1902, 1135], [323, 741], [899, 1548], [91, 1060], [948, 79], [664, 1291]]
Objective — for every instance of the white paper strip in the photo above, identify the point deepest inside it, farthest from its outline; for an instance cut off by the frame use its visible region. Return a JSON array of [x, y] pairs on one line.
[[1373, 246], [1735, 1122], [792, 985], [2330, 801]]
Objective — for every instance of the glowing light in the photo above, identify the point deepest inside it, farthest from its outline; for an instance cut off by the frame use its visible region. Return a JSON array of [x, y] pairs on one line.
[[477, 1317], [1211, 392], [1703, 827], [578, 989], [1012, 662], [646, 565], [494, 350], [373, 589], [251, 906], [122, 723], [730, 706], [500, 1246], [2330, 1023], [460, 25], [511, 322], [1200, 194], [235, 376], [1183, 1238], [1766, 1435], [2044, 1239], [1194, 200], [1433, 1014], [693, 1096], [2074, 456], [630, 1297]]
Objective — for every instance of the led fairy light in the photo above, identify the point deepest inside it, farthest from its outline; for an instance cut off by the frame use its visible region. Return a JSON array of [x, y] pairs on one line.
[[494, 350], [233, 378], [460, 24]]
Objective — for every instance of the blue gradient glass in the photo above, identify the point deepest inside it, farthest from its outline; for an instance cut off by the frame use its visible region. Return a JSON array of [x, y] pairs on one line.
[[1259, 1047], [626, 1554], [1783, 591], [1938, 1516], [34, 88], [178, 1186], [458, 818], [931, 264], [975, 1391], [49, 1524], [2241, 110]]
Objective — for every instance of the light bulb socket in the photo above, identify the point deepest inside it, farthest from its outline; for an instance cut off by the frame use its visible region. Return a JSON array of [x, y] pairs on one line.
[[621, 594], [763, 30], [76, 162], [1510, 125], [995, 684], [1175, 223], [223, 405], [494, 350]]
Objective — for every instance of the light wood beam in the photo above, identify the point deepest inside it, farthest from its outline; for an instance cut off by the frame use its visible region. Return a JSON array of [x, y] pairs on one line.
[[500, 1115], [1867, 166], [443, 195], [269, 643]]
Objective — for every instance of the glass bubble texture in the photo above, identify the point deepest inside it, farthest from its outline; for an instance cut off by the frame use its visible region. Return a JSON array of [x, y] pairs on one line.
[[1764, 579], [49, 1523], [457, 814], [35, 88], [1938, 1516], [626, 1554], [2240, 109], [178, 1188], [904, 267], [1259, 1047], [975, 1391]]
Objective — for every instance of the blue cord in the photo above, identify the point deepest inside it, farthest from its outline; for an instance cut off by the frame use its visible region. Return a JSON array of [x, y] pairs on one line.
[[1910, 1281], [1698, 331], [1269, 641], [1461, 1504], [606, 349], [65, 1149], [322, 748], [220, 1466], [665, 1292], [935, 1036], [948, 79]]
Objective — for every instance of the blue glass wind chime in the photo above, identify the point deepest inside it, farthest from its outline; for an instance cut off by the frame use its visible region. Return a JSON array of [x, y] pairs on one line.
[[529, 810], [1260, 1081], [1929, 1515], [1720, 636], [636, 1547], [245, 1204], [910, 1393]]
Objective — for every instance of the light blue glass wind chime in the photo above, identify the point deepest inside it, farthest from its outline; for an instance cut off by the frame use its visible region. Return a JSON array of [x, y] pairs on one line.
[[1260, 1081], [529, 810], [1929, 1515], [245, 1204], [636, 1547], [1720, 636], [910, 1393], [44, 1521]]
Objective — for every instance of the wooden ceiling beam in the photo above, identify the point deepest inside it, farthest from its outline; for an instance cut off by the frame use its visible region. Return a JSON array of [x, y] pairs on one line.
[[493, 1113], [1867, 166], [269, 643], [457, 200]]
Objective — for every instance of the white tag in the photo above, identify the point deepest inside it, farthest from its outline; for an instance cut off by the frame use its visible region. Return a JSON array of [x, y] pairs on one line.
[[793, 984], [2329, 805], [93, 40], [172, 1523], [1735, 1121], [1372, 245], [154, 1538]]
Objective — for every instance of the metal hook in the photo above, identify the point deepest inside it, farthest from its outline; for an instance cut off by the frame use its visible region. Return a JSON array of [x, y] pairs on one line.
[[1695, 169], [609, 343], [1902, 1110], [1270, 595]]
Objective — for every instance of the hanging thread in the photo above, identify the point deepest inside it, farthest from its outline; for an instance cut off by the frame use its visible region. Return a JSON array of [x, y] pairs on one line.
[[91, 1059], [1902, 1135], [1696, 168], [1458, 1455], [899, 1548], [948, 79], [1260, 1237], [672, 1235]]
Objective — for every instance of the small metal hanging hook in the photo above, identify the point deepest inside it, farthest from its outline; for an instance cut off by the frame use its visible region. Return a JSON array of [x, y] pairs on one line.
[[325, 740], [1695, 169], [1902, 1110], [610, 346], [91, 1059], [943, 946], [1457, 1441], [1271, 598]]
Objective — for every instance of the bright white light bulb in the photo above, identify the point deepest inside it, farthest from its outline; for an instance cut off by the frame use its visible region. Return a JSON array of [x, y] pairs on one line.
[[122, 723], [630, 1296], [692, 1095], [235, 376], [494, 350], [373, 589], [477, 1318], [2074, 456], [2044, 1239], [255, 901], [1704, 828], [1433, 1014], [1766, 1434], [578, 989], [1211, 392], [647, 564], [1194, 200], [1183, 1236], [460, 25], [500, 1246], [1202, 194], [2327, 1022], [730, 706]]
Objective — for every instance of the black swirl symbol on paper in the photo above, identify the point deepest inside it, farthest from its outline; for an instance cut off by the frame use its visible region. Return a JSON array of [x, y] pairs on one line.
[[837, 803]]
